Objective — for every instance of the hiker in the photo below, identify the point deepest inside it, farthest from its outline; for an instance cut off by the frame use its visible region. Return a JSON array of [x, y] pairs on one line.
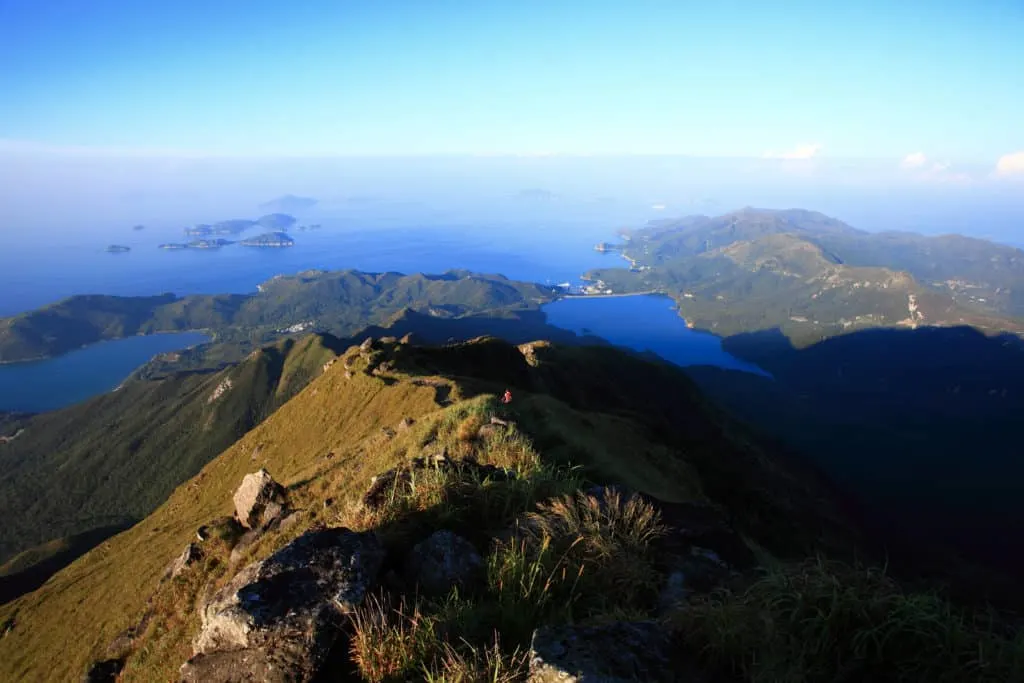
[[507, 398]]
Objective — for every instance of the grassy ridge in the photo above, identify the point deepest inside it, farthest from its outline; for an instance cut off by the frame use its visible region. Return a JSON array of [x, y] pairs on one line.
[[327, 442]]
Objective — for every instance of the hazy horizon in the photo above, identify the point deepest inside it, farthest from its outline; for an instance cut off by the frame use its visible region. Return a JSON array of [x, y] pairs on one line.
[[888, 117]]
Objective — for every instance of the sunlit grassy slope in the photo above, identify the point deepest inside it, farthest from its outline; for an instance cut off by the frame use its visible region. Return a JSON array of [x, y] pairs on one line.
[[621, 418], [114, 458]]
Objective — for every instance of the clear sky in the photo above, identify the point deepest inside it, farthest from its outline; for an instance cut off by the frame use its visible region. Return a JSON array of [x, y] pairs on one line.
[[940, 81]]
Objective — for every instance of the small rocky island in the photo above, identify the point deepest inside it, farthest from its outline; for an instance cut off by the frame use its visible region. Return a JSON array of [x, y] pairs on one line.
[[197, 244], [605, 246], [269, 239], [118, 249], [137, 228]]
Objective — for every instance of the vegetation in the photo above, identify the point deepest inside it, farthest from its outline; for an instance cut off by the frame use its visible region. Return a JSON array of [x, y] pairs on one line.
[[814, 277], [822, 621], [115, 458], [339, 302], [555, 548]]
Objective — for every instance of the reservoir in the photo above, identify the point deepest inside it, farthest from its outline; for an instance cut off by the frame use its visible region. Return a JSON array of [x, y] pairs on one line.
[[37, 386], [646, 322]]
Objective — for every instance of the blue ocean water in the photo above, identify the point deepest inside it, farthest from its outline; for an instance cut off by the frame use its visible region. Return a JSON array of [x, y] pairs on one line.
[[644, 323], [37, 386], [34, 273]]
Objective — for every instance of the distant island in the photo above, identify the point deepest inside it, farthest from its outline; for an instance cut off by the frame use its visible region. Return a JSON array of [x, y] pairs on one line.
[[288, 203], [136, 228], [605, 246], [118, 249], [198, 244], [269, 239], [235, 226]]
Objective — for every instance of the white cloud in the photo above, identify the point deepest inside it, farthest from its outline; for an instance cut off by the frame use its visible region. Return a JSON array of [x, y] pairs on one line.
[[921, 168], [914, 160], [804, 151], [1010, 164]]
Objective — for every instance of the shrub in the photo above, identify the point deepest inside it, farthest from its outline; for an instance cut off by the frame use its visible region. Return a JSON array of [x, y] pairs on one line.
[[608, 539]]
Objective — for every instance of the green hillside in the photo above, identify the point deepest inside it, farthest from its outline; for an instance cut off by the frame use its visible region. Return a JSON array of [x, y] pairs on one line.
[[339, 303], [814, 277], [110, 461], [597, 559]]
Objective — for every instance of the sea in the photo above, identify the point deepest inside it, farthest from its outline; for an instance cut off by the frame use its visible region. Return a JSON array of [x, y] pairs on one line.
[[540, 248]]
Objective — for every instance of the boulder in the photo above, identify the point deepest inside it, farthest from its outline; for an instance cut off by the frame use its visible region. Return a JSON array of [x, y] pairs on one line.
[[442, 562], [239, 666], [254, 496], [282, 614], [611, 653], [701, 571]]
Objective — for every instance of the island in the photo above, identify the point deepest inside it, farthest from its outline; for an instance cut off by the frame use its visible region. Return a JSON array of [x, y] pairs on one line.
[[269, 239], [118, 249], [198, 244], [605, 246], [137, 228], [289, 203]]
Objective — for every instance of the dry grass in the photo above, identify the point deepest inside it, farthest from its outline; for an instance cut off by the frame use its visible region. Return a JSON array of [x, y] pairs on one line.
[[484, 664], [469, 428], [389, 642], [608, 539]]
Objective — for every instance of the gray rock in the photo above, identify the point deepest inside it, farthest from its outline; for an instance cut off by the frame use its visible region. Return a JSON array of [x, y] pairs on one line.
[[239, 666], [442, 562], [611, 653], [257, 492], [699, 572], [188, 557], [285, 611]]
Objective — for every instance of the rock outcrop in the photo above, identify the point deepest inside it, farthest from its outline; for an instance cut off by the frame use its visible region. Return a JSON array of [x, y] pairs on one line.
[[442, 562], [258, 500], [618, 652], [277, 618], [189, 556]]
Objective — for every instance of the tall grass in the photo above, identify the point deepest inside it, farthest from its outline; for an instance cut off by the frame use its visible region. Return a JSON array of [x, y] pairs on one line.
[[822, 621]]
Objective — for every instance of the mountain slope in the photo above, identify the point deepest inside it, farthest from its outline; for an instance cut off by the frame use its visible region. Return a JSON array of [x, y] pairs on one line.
[[813, 277], [652, 431], [111, 460]]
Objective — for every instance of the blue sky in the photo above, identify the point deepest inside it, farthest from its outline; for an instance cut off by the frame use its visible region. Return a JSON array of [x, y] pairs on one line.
[[861, 80]]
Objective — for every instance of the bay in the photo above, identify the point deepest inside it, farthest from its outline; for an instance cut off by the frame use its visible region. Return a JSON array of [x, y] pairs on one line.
[[53, 383], [647, 322]]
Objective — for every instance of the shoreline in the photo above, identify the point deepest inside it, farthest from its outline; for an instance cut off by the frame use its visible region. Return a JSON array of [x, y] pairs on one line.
[[611, 296], [208, 333]]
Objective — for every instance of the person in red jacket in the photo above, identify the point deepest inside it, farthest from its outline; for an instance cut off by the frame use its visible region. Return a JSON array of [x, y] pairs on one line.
[[507, 398]]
